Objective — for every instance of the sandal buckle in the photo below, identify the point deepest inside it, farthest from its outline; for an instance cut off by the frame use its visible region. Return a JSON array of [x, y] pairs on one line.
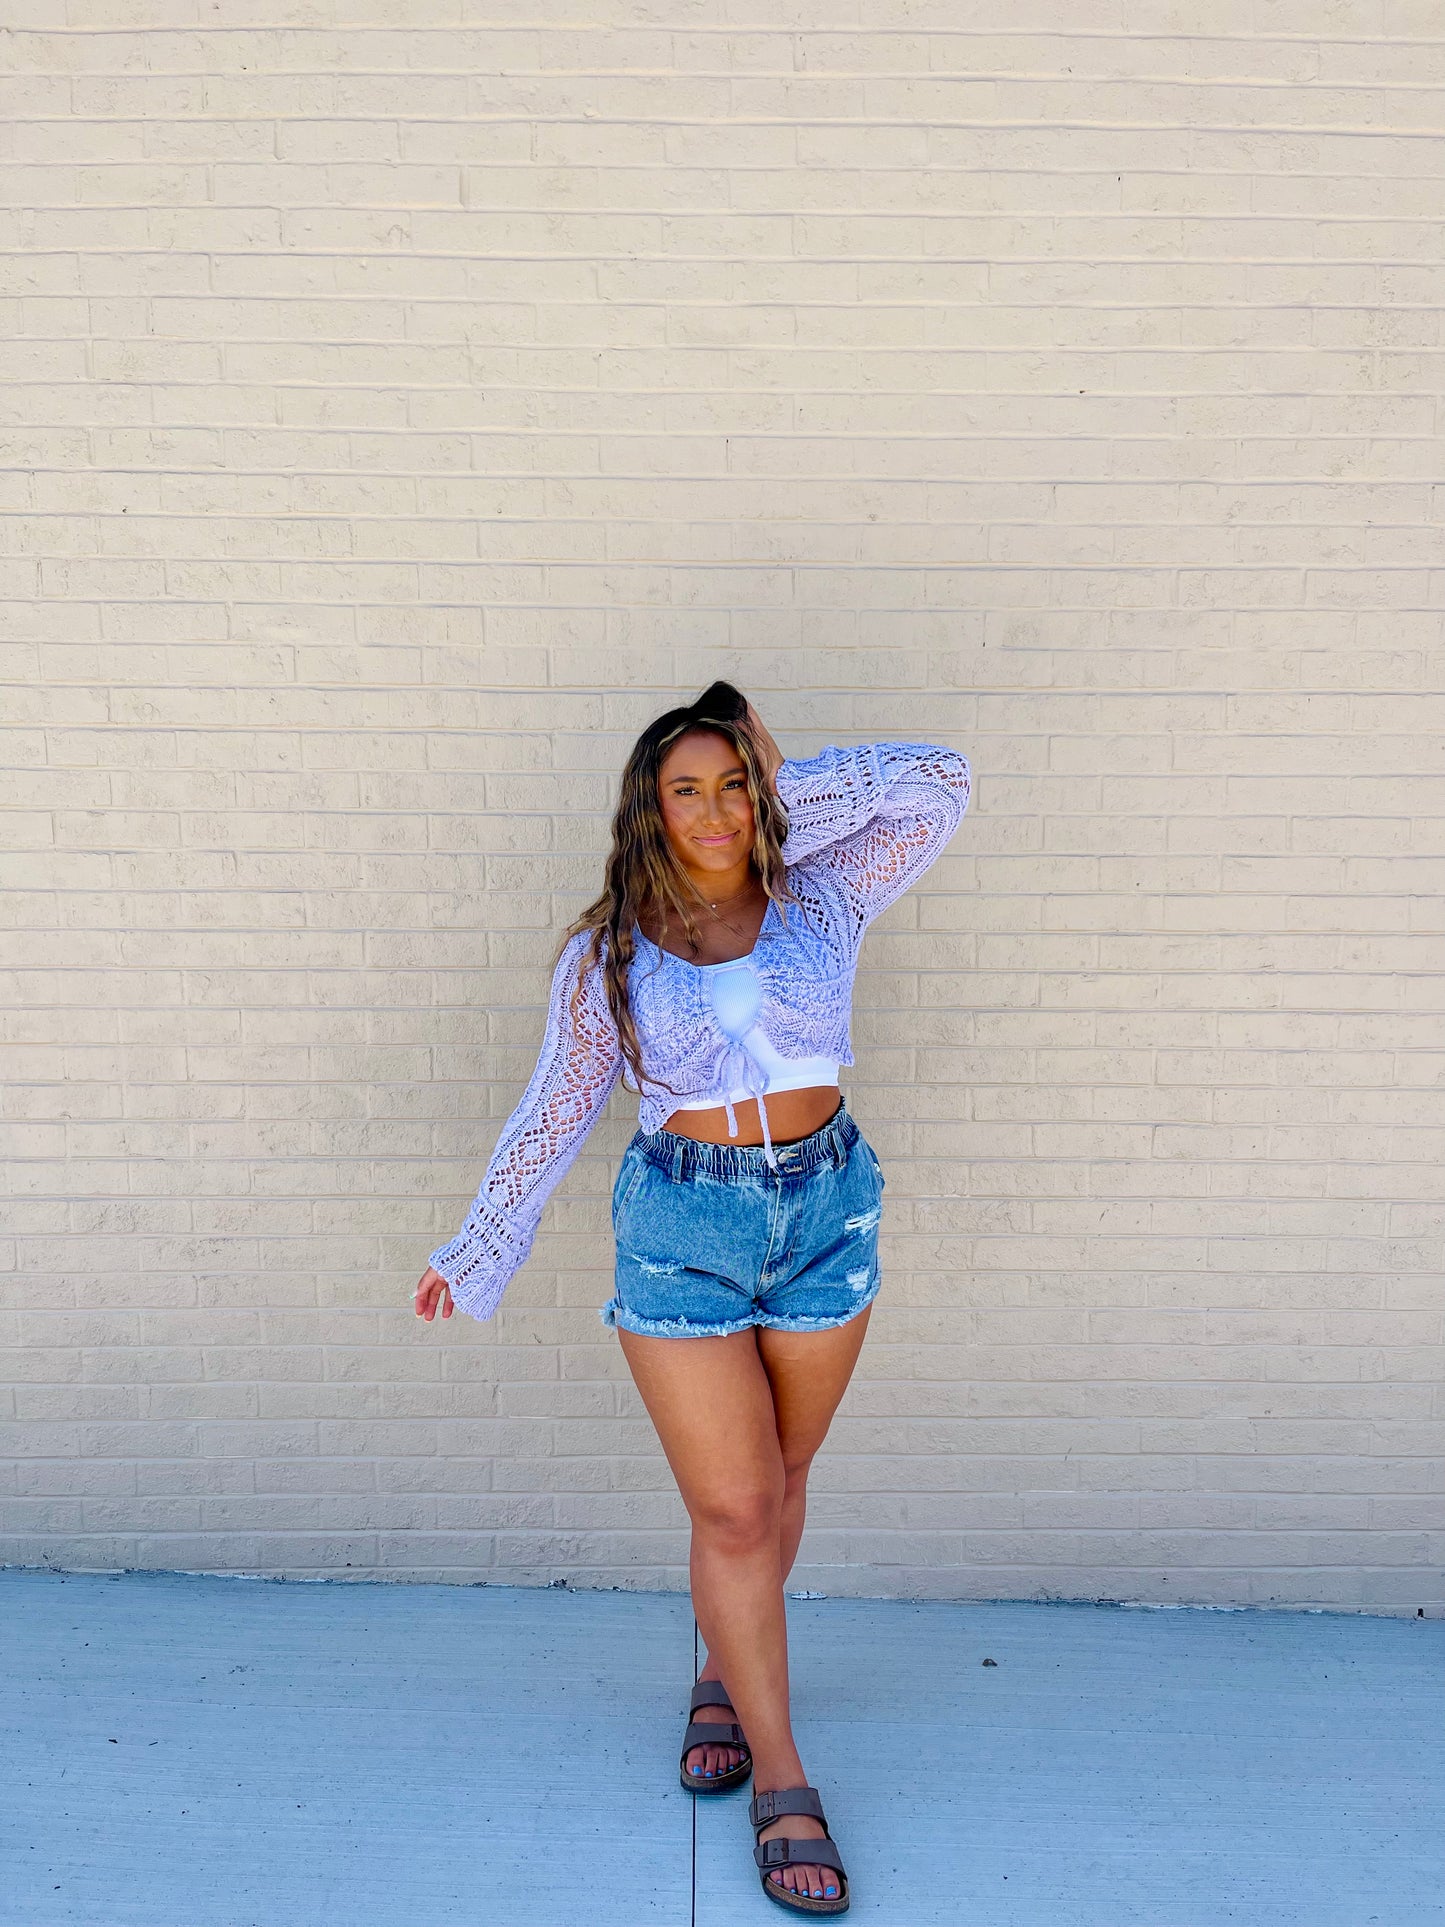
[[775, 1852], [764, 1805]]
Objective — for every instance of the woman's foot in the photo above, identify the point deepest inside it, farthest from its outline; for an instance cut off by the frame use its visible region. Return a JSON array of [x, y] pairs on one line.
[[819, 1883], [708, 1760]]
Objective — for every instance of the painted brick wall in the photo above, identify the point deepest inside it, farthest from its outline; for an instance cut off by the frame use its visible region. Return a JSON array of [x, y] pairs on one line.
[[400, 408]]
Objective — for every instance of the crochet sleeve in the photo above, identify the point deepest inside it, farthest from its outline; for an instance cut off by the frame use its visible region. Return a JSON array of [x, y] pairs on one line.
[[876, 815], [579, 1064]]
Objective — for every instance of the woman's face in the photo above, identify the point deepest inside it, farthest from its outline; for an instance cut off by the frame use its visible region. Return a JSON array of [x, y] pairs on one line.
[[707, 813]]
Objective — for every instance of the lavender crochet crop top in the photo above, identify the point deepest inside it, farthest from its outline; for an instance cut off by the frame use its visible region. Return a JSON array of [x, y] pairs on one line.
[[864, 823], [736, 989]]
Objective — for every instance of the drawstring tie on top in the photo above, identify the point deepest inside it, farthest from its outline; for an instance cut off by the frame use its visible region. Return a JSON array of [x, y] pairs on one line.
[[754, 1079], [737, 996]]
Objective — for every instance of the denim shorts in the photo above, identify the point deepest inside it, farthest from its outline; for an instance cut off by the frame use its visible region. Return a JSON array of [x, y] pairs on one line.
[[711, 1239]]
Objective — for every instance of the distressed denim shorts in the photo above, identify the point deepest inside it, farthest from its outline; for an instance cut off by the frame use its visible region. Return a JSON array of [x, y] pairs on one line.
[[711, 1239]]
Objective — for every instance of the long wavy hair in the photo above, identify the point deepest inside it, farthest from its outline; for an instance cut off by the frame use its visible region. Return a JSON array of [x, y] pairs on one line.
[[643, 878]]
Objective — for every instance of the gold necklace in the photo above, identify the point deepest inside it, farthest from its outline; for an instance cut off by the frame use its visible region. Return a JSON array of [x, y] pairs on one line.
[[733, 898]]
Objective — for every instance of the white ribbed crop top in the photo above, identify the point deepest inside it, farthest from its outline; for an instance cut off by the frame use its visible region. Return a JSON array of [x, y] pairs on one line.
[[737, 996]]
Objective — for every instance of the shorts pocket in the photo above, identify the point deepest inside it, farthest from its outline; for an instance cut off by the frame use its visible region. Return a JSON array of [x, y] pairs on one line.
[[877, 1168], [630, 1174]]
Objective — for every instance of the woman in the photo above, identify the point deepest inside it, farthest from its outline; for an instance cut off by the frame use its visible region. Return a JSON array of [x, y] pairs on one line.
[[714, 976]]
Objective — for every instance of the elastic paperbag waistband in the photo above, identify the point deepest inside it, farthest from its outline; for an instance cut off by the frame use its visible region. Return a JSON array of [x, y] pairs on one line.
[[684, 1157]]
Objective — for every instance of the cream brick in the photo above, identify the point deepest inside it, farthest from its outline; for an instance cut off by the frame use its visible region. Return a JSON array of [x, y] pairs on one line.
[[386, 457]]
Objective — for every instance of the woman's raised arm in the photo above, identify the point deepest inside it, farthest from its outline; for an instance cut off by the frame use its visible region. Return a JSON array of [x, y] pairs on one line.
[[876, 815]]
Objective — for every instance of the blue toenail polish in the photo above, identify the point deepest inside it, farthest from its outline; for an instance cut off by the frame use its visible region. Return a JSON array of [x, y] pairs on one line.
[[832, 1890]]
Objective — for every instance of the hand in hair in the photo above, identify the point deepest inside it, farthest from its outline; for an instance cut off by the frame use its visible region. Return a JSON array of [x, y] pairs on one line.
[[773, 755], [728, 704]]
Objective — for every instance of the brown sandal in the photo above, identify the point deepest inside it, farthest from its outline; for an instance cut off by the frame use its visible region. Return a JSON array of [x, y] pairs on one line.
[[707, 1692], [772, 1855]]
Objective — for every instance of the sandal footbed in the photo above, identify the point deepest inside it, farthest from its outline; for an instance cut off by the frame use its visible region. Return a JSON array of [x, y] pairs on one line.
[[719, 1783], [724, 1782], [711, 1692], [804, 1903]]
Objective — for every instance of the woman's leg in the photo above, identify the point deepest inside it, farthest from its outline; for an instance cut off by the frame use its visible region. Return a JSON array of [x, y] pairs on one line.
[[723, 1409], [805, 1399], [804, 1402], [806, 1394]]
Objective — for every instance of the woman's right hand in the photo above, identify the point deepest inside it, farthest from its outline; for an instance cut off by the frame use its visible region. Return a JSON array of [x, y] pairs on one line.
[[770, 749], [431, 1292]]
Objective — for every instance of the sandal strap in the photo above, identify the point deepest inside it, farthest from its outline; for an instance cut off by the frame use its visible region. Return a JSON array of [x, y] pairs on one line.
[[713, 1733], [782, 1852], [793, 1799], [708, 1692]]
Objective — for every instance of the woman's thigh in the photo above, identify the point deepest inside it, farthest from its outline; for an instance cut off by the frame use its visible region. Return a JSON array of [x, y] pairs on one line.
[[736, 1414], [809, 1373], [712, 1404]]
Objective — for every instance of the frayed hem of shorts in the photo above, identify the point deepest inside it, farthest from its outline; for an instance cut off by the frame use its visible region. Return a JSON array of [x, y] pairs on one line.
[[818, 1324], [614, 1315]]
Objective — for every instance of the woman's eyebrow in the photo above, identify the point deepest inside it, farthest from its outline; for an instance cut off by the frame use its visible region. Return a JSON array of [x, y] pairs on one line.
[[736, 770]]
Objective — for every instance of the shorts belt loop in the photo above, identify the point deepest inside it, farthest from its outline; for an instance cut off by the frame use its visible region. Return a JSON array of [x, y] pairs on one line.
[[679, 1152]]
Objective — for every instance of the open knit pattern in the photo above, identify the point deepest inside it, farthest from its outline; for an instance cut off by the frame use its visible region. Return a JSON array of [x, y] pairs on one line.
[[864, 823]]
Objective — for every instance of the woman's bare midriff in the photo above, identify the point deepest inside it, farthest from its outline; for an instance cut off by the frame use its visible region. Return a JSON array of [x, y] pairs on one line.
[[791, 1114]]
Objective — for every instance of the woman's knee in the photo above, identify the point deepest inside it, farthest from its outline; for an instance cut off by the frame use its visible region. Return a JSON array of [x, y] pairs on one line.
[[740, 1516]]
